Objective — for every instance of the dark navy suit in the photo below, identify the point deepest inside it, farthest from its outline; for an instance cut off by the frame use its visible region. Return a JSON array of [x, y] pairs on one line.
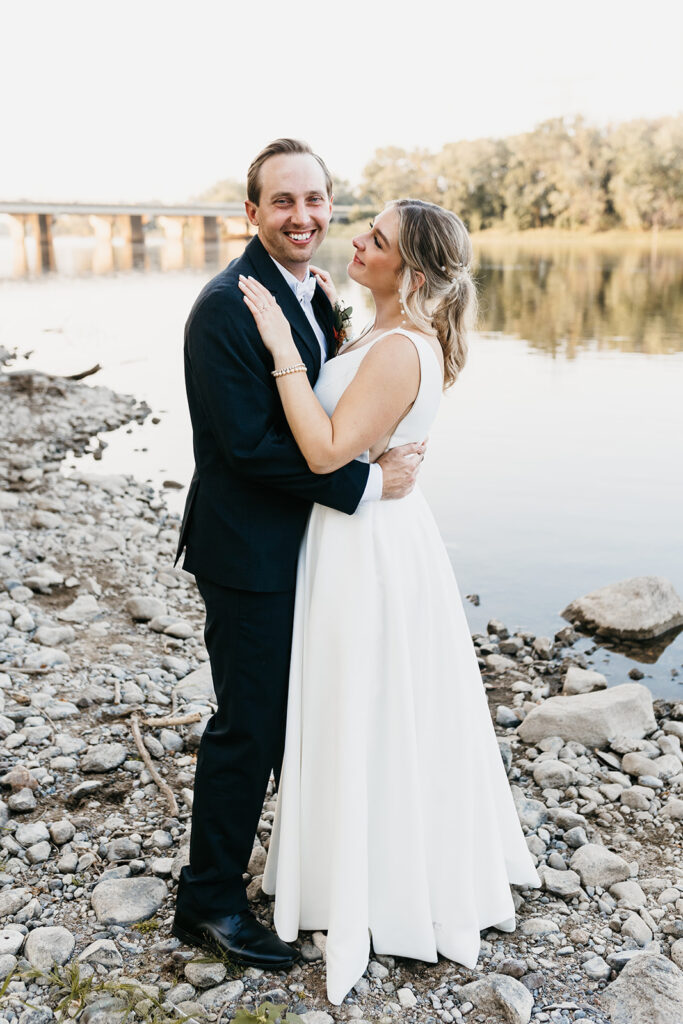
[[244, 519]]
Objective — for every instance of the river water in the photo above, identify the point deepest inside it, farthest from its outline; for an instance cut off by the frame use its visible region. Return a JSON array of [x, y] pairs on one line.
[[555, 466]]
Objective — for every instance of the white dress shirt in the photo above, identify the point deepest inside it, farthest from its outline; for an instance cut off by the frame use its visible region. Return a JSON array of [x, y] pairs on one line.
[[304, 292]]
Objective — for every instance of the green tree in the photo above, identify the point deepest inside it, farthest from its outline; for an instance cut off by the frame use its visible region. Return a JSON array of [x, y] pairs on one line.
[[470, 176], [394, 173], [646, 184]]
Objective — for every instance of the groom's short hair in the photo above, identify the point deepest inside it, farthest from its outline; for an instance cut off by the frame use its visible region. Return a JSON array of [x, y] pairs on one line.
[[276, 148]]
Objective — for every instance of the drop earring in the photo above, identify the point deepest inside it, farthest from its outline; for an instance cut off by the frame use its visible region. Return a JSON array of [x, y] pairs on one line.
[[403, 312]]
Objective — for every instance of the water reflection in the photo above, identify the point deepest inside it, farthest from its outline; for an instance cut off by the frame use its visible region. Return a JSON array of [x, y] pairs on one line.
[[560, 298]]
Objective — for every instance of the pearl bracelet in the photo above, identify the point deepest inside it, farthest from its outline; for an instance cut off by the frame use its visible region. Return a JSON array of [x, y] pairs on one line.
[[296, 368]]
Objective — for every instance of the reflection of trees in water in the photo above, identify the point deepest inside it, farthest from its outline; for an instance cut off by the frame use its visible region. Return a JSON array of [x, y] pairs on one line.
[[628, 301], [564, 298]]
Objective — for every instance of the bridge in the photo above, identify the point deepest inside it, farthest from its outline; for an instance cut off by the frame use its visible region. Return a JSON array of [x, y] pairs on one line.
[[207, 222]]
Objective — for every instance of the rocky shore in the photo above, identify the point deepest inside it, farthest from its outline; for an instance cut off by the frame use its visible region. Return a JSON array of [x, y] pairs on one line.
[[104, 693]]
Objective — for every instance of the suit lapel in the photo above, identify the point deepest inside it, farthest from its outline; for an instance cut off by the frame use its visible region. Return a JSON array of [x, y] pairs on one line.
[[269, 276], [324, 314]]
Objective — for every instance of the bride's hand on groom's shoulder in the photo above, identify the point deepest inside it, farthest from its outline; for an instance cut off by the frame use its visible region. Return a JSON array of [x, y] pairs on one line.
[[326, 283], [272, 324]]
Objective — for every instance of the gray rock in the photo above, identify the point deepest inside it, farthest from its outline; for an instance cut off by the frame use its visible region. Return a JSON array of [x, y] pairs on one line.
[[12, 900], [37, 1015], [596, 865], [47, 946], [61, 831], [649, 990], [501, 996], [635, 928], [7, 964], [639, 608], [142, 609], [205, 975], [30, 833], [561, 883], [102, 951], [214, 998], [553, 774], [127, 900], [322, 1016], [104, 757], [582, 680], [531, 813], [673, 809], [197, 686], [11, 941], [538, 926], [592, 718], [83, 609], [507, 717], [54, 636], [628, 895], [597, 969], [38, 853], [46, 657]]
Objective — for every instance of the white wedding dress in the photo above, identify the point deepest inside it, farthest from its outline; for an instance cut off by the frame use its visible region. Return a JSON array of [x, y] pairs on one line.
[[394, 816]]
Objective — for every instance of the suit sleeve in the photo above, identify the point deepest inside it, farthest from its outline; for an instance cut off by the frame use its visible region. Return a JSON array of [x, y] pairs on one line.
[[234, 386]]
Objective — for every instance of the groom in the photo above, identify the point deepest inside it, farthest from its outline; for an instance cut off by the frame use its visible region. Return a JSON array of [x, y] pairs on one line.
[[245, 516]]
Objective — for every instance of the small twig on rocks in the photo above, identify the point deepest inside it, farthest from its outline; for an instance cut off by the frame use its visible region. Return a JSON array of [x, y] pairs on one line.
[[84, 373], [173, 720], [117, 691], [144, 754]]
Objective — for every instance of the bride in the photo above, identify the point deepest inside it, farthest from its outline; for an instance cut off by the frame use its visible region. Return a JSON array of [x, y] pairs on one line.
[[394, 820]]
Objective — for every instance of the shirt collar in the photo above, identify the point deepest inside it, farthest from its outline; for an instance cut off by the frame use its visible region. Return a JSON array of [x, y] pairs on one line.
[[302, 289]]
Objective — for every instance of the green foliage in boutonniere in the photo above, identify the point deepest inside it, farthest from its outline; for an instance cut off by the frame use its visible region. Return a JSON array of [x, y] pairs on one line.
[[342, 322]]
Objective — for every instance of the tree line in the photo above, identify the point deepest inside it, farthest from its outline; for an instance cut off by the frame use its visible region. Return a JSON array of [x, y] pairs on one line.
[[565, 173]]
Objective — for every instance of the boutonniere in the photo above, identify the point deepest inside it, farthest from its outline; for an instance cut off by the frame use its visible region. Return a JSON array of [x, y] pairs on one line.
[[342, 322]]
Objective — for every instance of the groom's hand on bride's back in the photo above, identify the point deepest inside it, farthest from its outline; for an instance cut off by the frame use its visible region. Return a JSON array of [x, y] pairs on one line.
[[400, 467]]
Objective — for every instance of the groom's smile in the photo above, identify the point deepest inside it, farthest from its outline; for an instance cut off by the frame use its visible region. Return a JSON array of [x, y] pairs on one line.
[[293, 210]]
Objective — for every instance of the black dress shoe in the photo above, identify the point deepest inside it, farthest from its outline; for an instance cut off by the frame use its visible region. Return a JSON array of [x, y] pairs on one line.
[[240, 936]]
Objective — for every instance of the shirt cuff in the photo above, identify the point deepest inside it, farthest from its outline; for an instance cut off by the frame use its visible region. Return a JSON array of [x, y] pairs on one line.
[[373, 488]]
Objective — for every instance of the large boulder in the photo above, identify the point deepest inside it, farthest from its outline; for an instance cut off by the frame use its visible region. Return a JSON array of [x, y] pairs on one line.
[[649, 990], [640, 608], [592, 718]]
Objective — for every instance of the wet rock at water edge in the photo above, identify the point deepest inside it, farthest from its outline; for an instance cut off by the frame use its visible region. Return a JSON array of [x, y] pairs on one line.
[[582, 680], [639, 608]]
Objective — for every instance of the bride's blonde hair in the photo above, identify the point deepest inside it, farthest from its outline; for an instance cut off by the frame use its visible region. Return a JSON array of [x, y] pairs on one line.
[[434, 242]]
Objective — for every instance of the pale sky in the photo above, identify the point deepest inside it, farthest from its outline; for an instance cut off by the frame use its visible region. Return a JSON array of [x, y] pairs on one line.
[[143, 99]]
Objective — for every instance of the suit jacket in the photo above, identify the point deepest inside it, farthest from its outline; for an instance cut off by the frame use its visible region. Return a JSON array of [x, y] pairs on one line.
[[251, 491]]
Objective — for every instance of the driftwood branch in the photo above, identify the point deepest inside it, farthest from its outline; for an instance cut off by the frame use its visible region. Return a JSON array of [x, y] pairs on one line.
[[145, 755], [84, 373], [173, 720]]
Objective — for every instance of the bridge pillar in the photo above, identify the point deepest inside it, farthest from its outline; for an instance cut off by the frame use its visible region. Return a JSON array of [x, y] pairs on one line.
[[102, 226], [172, 228], [136, 235], [238, 227], [17, 230], [41, 223]]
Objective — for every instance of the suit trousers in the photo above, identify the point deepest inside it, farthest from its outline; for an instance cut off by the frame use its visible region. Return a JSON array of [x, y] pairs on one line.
[[248, 636]]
